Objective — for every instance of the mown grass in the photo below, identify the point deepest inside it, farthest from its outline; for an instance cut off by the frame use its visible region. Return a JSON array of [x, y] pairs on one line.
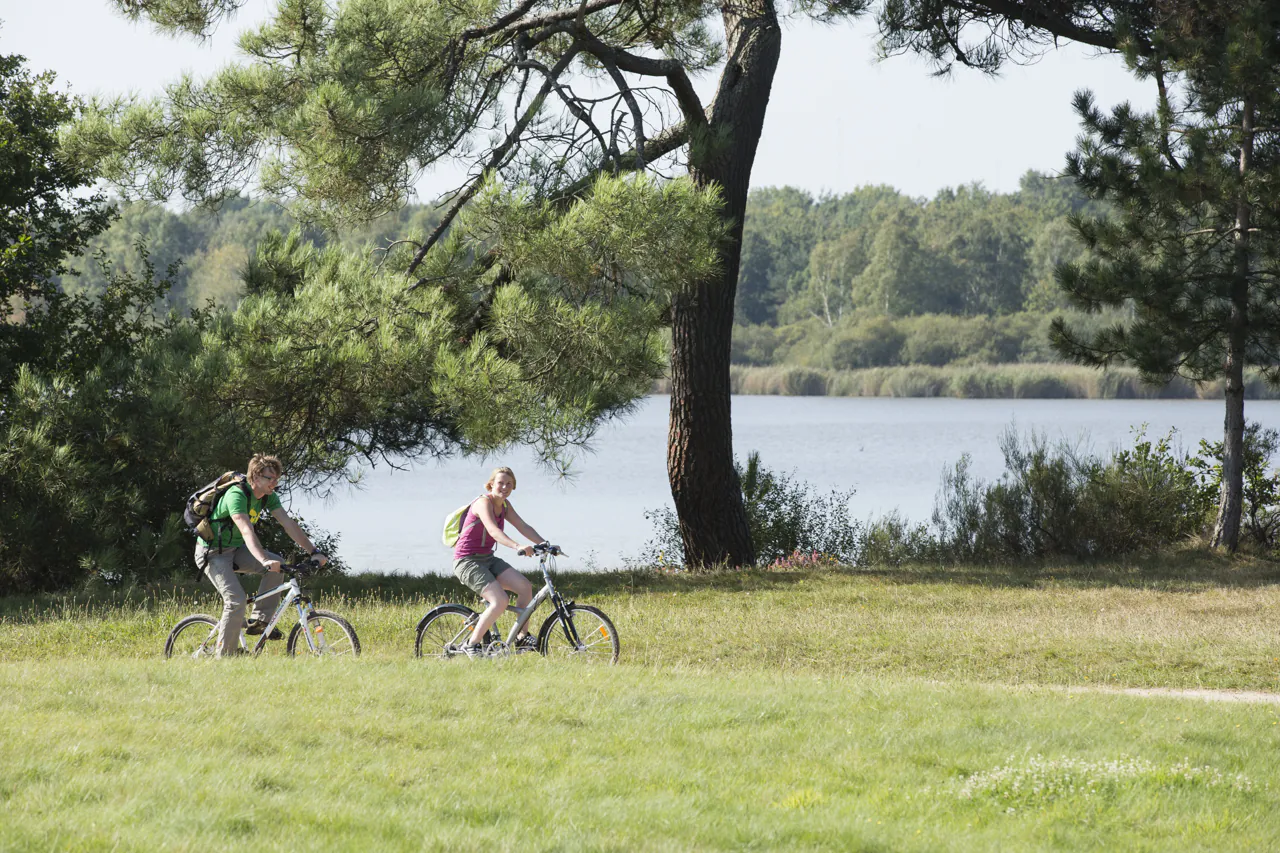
[[904, 709]]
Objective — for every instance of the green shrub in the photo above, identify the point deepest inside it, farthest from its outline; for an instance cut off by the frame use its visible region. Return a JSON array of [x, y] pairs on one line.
[[754, 345], [105, 436], [891, 540], [934, 340], [874, 342], [1260, 514], [785, 516], [1053, 500]]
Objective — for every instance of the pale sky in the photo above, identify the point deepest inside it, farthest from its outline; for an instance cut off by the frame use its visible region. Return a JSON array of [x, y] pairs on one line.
[[837, 119]]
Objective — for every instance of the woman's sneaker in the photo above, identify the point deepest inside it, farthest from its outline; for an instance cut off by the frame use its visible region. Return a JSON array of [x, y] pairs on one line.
[[527, 643], [473, 651]]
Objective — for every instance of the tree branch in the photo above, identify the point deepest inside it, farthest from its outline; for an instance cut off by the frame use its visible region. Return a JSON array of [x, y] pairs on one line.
[[496, 158]]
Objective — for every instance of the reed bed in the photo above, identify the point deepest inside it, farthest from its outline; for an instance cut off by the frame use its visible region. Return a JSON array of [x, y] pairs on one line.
[[977, 381]]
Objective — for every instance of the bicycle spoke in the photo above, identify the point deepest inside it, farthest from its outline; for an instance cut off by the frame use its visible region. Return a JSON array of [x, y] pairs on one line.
[[597, 639], [331, 635]]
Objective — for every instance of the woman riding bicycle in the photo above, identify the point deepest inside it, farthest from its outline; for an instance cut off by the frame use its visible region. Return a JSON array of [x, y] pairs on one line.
[[236, 548], [475, 564]]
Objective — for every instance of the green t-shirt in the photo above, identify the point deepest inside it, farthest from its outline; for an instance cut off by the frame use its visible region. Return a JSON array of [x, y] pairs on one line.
[[237, 500]]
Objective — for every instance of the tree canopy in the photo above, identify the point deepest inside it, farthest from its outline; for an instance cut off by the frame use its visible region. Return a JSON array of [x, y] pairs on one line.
[[1194, 247]]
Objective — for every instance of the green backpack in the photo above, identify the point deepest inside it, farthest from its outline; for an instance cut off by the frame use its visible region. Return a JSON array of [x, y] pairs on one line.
[[453, 524]]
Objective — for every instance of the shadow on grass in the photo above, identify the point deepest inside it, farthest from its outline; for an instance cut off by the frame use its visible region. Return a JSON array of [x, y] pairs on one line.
[[1189, 570]]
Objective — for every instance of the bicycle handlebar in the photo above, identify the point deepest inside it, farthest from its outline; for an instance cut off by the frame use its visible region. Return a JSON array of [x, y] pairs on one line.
[[548, 548], [302, 568]]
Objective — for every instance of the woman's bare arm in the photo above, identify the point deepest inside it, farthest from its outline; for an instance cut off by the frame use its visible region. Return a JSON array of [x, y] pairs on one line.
[[519, 524]]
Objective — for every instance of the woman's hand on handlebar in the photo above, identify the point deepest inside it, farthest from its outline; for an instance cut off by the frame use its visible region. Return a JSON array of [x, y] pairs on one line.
[[319, 559], [526, 551]]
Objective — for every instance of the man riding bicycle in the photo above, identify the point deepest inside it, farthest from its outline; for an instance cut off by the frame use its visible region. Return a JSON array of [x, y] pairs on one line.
[[236, 548]]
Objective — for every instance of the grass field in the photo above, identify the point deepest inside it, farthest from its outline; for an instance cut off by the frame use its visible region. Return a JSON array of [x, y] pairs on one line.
[[912, 709]]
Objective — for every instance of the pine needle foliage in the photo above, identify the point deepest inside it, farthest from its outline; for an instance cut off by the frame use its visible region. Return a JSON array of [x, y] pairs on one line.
[[531, 325], [1191, 253]]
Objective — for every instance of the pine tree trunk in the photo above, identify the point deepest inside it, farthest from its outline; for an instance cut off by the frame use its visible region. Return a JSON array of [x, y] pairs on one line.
[[704, 486], [1226, 530]]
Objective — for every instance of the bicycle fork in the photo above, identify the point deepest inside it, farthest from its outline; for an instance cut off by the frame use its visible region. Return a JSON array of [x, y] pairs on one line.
[[566, 622]]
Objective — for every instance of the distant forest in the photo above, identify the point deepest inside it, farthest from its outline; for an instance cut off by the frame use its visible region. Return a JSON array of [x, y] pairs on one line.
[[869, 278]]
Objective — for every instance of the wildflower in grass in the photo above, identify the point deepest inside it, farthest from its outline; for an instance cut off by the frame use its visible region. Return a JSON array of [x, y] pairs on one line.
[[1042, 780]]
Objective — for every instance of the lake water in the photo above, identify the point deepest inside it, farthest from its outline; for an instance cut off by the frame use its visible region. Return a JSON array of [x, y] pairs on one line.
[[891, 451]]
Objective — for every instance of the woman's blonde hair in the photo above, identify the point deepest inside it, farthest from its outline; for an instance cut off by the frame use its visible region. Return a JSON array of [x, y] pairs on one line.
[[261, 462], [503, 470]]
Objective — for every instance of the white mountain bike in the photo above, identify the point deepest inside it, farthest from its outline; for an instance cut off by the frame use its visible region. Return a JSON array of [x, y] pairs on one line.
[[572, 631], [325, 633]]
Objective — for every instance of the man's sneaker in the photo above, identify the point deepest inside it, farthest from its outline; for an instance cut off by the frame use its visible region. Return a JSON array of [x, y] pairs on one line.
[[255, 626], [527, 643]]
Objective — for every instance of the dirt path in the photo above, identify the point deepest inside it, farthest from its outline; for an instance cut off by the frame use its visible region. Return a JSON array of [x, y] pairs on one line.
[[1182, 693]]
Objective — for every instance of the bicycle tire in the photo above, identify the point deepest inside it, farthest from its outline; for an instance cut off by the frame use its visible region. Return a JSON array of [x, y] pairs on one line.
[[188, 639], [333, 643], [598, 639], [445, 626]]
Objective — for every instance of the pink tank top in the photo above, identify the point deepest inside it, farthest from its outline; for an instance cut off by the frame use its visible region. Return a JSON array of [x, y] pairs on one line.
[[475, 541]]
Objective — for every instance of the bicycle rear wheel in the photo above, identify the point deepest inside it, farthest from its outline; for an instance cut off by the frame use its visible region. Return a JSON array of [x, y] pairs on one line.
[[444, 630], [587, 636], [331, 634], [194, 637]]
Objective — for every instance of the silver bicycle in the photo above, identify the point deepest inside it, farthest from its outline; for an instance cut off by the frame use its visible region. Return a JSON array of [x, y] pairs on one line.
[[572, 631], [325, 633]]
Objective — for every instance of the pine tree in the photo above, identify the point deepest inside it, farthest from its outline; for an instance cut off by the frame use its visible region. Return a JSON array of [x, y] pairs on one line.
[[1193, 249]]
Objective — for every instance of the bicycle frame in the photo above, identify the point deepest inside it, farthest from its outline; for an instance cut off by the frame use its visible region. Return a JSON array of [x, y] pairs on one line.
[[548, 591], [292, 594]]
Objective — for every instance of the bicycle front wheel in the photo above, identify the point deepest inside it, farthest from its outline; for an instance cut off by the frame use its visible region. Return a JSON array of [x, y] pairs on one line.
[[587, 635], [444, 630], [330, 634], [193, 637]]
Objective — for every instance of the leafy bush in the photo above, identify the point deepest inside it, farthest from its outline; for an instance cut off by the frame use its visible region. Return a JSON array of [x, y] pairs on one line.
[[786, 519], [1053, 500], [875, 342], [754, 345], [106, 434], [892, 540], [1260, 516]]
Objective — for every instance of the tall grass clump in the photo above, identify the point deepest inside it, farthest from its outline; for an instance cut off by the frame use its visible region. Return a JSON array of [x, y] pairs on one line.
[[1031, 380]]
